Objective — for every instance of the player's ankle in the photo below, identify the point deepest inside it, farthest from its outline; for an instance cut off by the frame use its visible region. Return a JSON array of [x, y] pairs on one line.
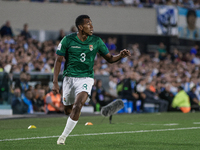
[[64, 136]]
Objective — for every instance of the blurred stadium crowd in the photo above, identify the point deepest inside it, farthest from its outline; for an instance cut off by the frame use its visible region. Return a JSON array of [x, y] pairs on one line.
[[151, 78], [135, 3]]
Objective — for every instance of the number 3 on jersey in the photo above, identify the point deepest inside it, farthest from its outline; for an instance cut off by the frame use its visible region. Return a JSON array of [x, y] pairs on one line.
[[83, 55]]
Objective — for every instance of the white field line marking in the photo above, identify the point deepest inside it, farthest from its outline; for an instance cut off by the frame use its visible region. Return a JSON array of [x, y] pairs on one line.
[[170, 124], [105, 133], [196, 122]]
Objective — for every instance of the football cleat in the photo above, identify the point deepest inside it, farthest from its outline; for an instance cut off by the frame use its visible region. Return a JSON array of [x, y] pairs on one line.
[[61, 140]]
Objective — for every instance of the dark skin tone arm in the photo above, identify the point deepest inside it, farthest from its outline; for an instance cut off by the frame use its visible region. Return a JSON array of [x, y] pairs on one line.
[[57, 66], [108, 57], [84, 30], [93, 97], [114, 58], [81, 97]]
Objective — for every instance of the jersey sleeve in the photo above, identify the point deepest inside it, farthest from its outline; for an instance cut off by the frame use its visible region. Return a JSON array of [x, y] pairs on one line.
[[62, 47], [103, 50]]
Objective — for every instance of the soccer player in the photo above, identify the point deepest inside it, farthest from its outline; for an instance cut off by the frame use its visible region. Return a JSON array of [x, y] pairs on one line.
[[79, 50]]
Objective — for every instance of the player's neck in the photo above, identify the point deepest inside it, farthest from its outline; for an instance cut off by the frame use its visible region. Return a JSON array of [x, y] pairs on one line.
[[82, 37]]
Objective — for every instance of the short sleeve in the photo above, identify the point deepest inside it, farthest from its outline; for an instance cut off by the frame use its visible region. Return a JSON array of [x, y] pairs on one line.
[[48, 100], [62, 47], [103, 50]]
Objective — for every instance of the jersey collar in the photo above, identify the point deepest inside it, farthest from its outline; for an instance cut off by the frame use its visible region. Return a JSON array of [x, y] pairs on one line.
[[82, 41]]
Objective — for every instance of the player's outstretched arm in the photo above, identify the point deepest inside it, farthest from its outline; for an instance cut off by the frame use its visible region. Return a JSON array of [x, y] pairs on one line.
[[114, 58], [57, 66]]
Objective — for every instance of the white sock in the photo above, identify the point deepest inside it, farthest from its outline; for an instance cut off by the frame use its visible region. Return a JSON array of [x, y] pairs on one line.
[[69, 127]]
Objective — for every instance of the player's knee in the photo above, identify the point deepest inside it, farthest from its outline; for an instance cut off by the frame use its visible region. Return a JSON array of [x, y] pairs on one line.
[[77, 106]]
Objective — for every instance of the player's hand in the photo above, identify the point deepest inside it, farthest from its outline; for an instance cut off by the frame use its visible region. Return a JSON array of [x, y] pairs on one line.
[[125, 53], [55, 87]]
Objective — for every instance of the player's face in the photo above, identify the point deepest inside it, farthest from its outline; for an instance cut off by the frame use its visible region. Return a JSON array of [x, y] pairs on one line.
[[87, 27]]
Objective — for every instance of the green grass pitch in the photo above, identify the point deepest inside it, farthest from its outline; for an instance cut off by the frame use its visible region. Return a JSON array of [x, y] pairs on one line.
[[158, 131]]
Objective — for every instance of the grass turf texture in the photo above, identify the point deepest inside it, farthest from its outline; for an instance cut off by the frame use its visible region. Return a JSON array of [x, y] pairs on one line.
[[157, 139]]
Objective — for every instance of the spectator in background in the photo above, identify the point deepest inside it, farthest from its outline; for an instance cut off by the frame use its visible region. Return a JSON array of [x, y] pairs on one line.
[[175, 55], [186, 84], [5, 88], [22, 82], [53, 103], [117, 3], [167, 95], [141, 87], [110, 44], [28, 77], [105, 3], [27, 98], [150, 96], [162, 51], [179, 3], [135, 51], [131, 2], [37, 66], [168, 2], [156, 57], [61, 35], [46, 87], [196, 4], [1, 67], [93, 102], [73, 29], [18, 105], [193, 50], [181, 101], [25, 67], [35, 91], [188, 3], [127, 88], [99, 95], [38, 104], [193, 98], [25, 33], [6, 30], [113, 86]]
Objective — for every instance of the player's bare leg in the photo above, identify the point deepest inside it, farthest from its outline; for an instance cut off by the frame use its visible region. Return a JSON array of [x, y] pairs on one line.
[[68, 109], [79, 102], [74, 116]]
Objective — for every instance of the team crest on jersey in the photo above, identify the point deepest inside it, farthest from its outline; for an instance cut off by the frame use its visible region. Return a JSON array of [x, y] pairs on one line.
[[91, 47]]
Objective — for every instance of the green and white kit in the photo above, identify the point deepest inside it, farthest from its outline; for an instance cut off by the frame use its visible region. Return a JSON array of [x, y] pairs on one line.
[[79, 62]]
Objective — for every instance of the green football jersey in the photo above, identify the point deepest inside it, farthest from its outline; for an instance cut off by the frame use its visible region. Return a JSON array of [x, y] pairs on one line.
[[80, 55]]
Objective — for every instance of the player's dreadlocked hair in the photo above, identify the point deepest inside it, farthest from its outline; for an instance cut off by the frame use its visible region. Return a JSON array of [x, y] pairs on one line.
[[80, 20]]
